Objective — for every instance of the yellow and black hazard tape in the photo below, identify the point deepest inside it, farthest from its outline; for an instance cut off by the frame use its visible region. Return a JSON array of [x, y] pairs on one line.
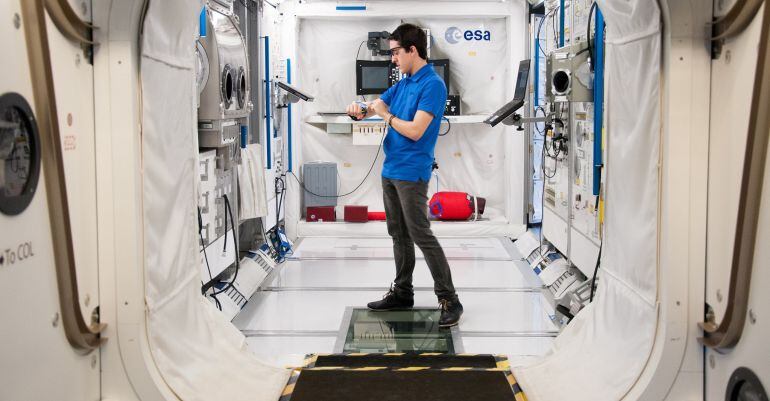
[[407, 369], [518, 393], [310, 360], [288, 390], [502, 365]]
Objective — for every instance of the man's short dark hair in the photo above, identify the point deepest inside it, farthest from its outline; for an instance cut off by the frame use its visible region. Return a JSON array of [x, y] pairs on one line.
[[408, 35]]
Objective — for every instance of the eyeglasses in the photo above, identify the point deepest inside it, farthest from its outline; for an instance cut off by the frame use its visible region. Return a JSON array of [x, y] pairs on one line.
[[394, 51]]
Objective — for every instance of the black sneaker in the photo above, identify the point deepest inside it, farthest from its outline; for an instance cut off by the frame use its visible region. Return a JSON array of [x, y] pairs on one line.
[[450, 312], [391, 301]]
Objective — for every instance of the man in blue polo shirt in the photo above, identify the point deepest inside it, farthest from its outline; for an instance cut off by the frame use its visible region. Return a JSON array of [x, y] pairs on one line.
[[413, 109]]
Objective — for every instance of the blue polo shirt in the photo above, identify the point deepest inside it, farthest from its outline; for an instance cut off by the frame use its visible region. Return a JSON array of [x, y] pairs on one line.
[[406, 159]]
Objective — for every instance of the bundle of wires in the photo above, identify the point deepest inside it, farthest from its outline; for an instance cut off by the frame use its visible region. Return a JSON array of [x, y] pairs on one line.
[[214, 293], [354, 189]]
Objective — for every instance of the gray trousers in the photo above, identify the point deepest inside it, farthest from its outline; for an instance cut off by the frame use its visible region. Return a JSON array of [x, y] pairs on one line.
[[406, 210]]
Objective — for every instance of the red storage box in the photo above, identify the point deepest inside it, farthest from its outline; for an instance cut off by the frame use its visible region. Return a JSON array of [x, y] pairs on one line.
[[376, 216], [356, 214], [321, 213]]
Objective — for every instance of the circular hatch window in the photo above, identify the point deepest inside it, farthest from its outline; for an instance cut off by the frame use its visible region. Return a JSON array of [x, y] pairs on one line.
[[19, 154]]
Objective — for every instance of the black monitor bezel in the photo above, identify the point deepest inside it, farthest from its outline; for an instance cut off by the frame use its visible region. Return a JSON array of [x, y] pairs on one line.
[[443, 63], [515, 104], [360, 64], [522, 64], [294, 91]]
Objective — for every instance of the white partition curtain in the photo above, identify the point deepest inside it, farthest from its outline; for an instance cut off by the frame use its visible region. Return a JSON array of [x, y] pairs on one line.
[[603, 351], [200, 355]]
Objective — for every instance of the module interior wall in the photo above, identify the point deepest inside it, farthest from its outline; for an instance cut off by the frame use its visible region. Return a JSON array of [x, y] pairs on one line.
[[471, 157]]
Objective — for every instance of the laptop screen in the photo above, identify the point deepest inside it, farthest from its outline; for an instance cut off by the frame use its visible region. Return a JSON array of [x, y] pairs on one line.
[[521, 80]]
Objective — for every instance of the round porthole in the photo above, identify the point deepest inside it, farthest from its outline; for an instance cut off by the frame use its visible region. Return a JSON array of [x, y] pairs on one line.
[[241, 88], [228, 86], [201, 67], [19, 153], [744, 385], [561, 82]]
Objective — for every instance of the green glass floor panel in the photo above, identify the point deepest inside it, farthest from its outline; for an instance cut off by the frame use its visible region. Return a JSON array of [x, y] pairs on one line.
[[414, 330]]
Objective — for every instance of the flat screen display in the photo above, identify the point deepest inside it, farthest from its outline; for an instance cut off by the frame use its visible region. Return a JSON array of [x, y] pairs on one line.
[[440, 71], [374, 77], [441, 66], [521, 80]]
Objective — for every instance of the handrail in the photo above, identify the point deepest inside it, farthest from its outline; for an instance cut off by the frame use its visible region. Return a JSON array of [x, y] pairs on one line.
[[68, 23], [736, 20], [82, 336], [728, 332]]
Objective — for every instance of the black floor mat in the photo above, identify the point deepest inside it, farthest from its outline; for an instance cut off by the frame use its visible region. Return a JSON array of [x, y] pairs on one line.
[[390, 385], [407, 360]]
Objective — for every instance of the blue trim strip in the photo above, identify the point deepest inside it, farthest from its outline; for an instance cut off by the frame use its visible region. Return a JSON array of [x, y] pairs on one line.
[[537, 65], [598, 61], [351, 8], [268, 128], [244, 136], [288, 78], [561, 23], [202, 24]]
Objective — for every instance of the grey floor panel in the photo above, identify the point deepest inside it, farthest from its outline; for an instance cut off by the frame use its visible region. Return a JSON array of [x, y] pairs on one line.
[[349, 273], [322, 310], [382, 248], [302, 310]]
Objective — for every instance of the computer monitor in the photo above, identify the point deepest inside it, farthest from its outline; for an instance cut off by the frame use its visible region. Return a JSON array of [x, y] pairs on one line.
[[372, 77], [442, 69], [518, 97], [440, 66], [521, 80]]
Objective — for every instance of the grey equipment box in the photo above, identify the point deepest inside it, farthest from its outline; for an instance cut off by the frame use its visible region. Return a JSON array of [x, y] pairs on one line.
[[568, 75], [320, 178]]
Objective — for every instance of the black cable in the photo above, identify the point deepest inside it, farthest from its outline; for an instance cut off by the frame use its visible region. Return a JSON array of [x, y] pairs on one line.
[[537, 37], [280, 201], [203, 245], [250, 5], [588, 36], [219, 304], [228, 209], [356, 188], [224, 246], [540, 27], [553, 148], [279, 196], [542, 166], [553, 26], [542, 195], [449, 126], [359, 49], [272, 251], [357, 53]]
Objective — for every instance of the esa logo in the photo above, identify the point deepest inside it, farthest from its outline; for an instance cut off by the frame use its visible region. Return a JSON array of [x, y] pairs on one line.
[[454, 35]]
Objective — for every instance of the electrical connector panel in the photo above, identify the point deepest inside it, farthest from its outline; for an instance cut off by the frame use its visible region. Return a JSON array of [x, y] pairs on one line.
[[208, 185], [585, 206], [370, 134]]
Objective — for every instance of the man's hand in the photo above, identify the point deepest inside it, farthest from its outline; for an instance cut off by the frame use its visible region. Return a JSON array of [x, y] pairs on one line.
[[354, 110], [380, 108]]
